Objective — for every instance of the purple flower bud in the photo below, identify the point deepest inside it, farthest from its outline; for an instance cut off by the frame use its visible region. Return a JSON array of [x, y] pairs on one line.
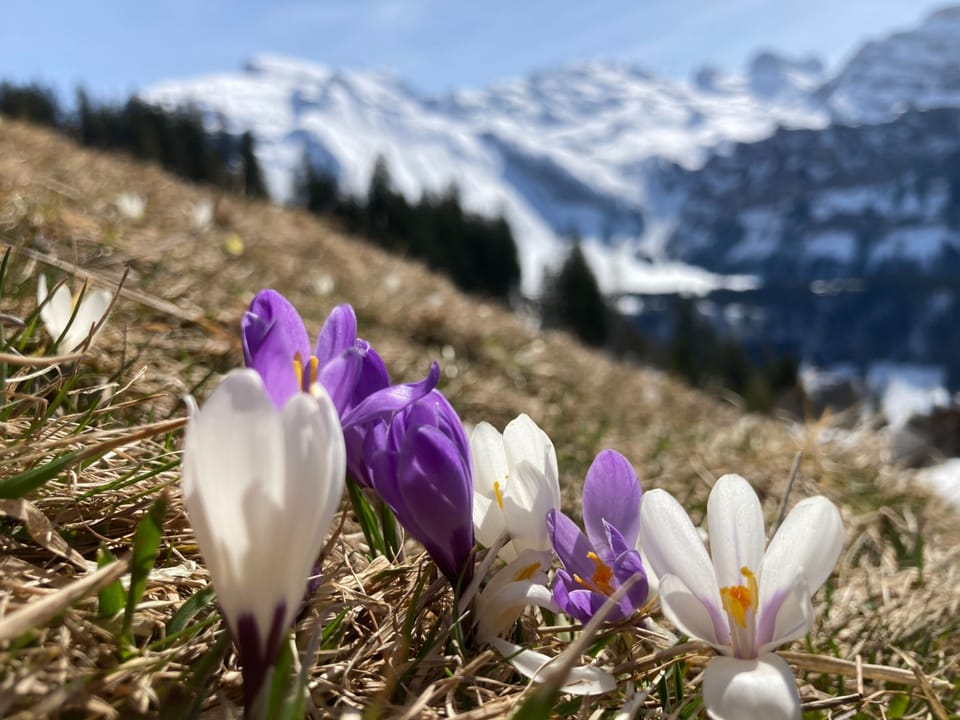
[[595, 565], [276, 345], [419, 462]]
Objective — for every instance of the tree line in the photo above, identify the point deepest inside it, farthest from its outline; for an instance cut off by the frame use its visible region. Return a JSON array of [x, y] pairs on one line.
[[177, 140], [478, 253]]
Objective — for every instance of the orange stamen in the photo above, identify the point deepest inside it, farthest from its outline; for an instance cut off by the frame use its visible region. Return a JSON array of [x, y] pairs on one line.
[[602, 575]]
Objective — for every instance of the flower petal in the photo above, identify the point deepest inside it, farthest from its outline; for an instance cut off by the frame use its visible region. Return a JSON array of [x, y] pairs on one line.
[[338, 333], [735, 522], [785, 618], [611, 493], [529, 496], [808, 543], [489, 459], [524, 440], [93, 306], [339, 377], [688, 613], [673, 546], [761, 689], [570, 544], [391, 399], [272, 334], [583, 680]]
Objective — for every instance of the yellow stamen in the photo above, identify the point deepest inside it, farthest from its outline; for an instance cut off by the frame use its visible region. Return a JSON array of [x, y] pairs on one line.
[[312, 369], [298, 368], [602, 575], [737, 599], [527, 572], [496, 491]]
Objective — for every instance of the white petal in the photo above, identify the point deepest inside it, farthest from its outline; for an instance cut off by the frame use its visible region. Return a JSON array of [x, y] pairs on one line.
[[584, 680], [792, 618], [93, 306], [313, 482], [56, 313], [232, 451], [673, 547], [489, 467], [530, 495], [735, 522], [761, 689], [498, 609], [808, 543], [687, 613], [524, 440]]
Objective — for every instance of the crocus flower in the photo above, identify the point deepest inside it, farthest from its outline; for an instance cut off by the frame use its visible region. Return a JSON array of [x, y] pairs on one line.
[[419, 464], [261, 486], [515, 485], [595, 565], [522, 582], [748, 600], [276, 345], [59, 308]]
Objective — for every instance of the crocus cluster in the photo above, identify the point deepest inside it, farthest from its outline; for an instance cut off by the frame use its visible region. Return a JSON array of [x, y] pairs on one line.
[[265, 463]]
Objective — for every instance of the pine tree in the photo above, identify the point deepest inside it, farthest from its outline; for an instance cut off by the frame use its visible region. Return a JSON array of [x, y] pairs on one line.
[[253, 183], [572, 299]]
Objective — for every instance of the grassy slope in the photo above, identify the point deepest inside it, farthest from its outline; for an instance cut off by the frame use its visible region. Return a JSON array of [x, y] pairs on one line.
[[896, 590]]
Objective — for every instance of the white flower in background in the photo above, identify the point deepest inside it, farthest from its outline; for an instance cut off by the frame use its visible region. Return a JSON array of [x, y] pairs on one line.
[[261, 486], [515, 483], [749, 598], [57, 311], [201, 214], [130, 205]]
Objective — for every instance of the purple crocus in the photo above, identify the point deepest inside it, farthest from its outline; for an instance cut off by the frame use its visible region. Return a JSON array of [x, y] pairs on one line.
[[420, 465], [595, 565], [276, 345]]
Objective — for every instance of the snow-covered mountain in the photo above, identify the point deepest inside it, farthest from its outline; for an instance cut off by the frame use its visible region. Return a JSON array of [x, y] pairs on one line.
[[602, 148], [561, 151]]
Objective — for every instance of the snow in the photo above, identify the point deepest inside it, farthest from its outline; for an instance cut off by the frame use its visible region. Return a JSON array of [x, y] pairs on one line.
[[622, 272], [559, 150], [580, 148], [921, 244], [837, 245], [944, 479], [905, 390]]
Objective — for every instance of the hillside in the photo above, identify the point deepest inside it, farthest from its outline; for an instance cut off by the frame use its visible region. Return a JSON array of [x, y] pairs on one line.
[[175, 326]]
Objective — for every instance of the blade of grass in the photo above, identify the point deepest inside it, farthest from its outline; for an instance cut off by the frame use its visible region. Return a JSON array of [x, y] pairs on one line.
[[146, 542]]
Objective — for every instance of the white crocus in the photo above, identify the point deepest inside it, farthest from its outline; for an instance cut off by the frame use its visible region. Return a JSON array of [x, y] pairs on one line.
[[57, 311], [261, 487], [515, 484], [748, 598]]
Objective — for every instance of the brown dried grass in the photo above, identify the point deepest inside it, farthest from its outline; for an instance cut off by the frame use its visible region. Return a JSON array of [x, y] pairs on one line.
[[888, 622]]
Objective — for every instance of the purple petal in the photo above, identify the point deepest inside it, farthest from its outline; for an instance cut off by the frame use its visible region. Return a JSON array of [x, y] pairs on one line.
[[611, 493], [577, 601], [339, 378], [570, 544], [338, 333], [385, 402], [272, 333], [625, 567], [374, 375], [438, 498]]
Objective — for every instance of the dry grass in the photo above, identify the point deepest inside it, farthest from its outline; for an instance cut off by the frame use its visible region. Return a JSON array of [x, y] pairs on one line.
[[890, 613]]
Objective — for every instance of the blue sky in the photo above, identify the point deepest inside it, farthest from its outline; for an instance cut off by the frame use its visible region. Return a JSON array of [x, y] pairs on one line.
[[116, 46]]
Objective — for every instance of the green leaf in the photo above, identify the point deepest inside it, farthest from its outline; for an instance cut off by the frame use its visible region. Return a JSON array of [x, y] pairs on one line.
[[146, 541], [333, 631], [367, 519], [188, 610], [20, 484], [897, 707], [110, 599]]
